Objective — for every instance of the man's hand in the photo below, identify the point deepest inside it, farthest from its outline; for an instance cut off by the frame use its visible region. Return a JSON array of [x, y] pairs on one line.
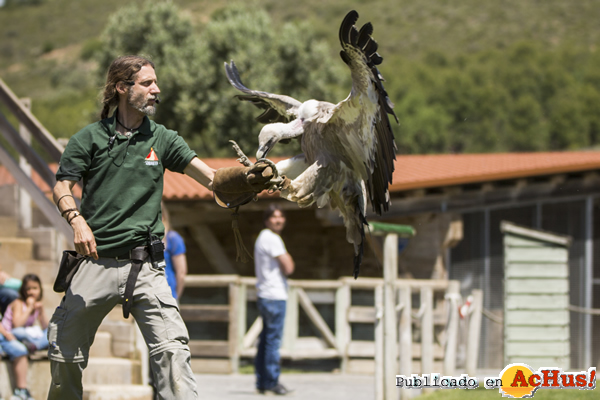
[[85, 242]]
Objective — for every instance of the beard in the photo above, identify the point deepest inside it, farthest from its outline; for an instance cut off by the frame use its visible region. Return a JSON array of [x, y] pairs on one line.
[[139, 102]]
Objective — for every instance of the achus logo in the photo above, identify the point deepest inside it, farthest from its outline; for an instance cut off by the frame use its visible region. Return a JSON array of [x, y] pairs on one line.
[[151, 158]]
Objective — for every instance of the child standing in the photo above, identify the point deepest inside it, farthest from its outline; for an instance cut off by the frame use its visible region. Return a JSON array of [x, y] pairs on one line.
[[20, 318]]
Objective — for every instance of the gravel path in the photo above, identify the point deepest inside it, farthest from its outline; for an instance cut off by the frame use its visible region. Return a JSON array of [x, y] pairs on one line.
[[310, 386]]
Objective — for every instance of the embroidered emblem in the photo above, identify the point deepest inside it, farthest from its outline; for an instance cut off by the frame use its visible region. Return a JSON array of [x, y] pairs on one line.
[[151, 158]]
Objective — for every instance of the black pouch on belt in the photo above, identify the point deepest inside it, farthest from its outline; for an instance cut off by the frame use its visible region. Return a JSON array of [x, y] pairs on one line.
[[69, 264], [138, 255]]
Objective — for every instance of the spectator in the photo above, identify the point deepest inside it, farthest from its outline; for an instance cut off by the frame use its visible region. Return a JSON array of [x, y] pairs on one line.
[[272, 265], [175, 259], [17, 353], [22, 314], [19, 336], [8, 290]]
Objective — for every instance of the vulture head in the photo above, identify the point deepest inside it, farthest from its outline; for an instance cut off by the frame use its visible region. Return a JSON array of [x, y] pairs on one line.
[[272, 134]]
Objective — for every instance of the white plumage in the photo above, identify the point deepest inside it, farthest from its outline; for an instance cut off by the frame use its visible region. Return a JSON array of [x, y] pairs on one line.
[[348, 148]]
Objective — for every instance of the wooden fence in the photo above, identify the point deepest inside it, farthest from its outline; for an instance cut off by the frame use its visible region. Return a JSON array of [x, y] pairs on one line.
[[426, 309]]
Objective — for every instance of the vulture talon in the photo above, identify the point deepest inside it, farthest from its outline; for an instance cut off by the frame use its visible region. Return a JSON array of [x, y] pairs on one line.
[[277, 180], [243, 158]]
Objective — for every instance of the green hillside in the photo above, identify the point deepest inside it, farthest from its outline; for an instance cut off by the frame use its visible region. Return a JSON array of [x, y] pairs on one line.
[[442, 61]]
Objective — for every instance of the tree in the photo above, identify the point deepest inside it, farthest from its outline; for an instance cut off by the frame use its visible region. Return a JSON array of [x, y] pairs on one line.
[[198, 100]]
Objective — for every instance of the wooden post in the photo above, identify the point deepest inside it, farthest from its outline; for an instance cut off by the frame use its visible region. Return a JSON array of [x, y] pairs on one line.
[[25, 217], [343, 331], [290, 325], [232, 337], [405, 335], [427, 332], [474, 332], [390, 274], [379, 373], [453, 294], [242, 313]]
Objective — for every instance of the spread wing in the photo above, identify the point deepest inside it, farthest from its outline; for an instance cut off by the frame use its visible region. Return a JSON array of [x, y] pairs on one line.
[[364, 113], [278, 108]]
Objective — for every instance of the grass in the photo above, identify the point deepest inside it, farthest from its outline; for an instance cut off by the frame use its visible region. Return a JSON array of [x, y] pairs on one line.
[[493, 394]]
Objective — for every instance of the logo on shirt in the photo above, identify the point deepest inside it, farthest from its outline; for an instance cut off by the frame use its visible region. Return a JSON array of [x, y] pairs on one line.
[[151, 158]]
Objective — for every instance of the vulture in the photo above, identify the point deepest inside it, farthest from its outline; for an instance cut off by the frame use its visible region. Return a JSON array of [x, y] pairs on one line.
[[348, 148]]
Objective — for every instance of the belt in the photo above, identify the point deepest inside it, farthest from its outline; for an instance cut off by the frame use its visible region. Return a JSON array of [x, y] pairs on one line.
[[127, 255], [137, 256]]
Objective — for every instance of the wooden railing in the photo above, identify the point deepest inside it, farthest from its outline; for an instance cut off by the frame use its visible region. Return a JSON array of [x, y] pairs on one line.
[[435, 320], [49, 144]]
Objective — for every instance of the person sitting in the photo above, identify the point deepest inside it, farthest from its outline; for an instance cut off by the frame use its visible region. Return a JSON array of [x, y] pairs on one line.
[[19, 323], [17, 353], [22, 314], [9, 290]]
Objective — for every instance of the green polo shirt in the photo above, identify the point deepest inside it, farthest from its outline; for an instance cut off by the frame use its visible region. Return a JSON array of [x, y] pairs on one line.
[[122, 185]]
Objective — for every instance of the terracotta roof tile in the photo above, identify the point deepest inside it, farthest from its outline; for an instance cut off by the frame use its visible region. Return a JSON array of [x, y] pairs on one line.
[[424, 171], [7, 179], [412, 171]]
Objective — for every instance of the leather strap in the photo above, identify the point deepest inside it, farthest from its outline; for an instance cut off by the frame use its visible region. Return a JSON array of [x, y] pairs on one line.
[[138, 255]]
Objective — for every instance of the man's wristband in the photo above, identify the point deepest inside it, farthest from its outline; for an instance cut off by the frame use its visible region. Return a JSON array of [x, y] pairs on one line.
[[62, 214], [61, 197], [76, 214]]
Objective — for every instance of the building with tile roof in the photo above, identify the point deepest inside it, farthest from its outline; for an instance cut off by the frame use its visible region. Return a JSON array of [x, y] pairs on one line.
[[456, 203]]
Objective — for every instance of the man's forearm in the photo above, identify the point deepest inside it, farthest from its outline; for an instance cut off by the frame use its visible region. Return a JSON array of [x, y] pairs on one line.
[[200, 172], [63, 196], [84, 240]]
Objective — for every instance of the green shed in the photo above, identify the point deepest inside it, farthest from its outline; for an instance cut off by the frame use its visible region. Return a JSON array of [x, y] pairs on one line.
[[536, 297]]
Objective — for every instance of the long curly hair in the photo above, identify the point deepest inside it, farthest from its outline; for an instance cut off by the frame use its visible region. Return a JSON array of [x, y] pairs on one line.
[[125, 69]]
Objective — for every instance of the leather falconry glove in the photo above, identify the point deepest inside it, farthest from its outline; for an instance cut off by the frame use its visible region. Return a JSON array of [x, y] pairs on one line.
[[235, 186]]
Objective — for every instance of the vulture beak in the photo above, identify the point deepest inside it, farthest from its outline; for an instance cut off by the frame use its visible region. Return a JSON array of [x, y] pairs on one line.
[[264, 149], [262, 152]]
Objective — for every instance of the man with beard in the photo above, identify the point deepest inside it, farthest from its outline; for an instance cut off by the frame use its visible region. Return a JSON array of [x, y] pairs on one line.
[[121, 160]]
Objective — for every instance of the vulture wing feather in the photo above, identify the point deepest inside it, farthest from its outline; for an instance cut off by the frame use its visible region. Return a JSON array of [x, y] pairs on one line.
[[359, 52], [279, 108]]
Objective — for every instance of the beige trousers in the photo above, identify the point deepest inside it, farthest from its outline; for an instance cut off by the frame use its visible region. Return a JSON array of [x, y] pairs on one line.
[[97, 287]]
